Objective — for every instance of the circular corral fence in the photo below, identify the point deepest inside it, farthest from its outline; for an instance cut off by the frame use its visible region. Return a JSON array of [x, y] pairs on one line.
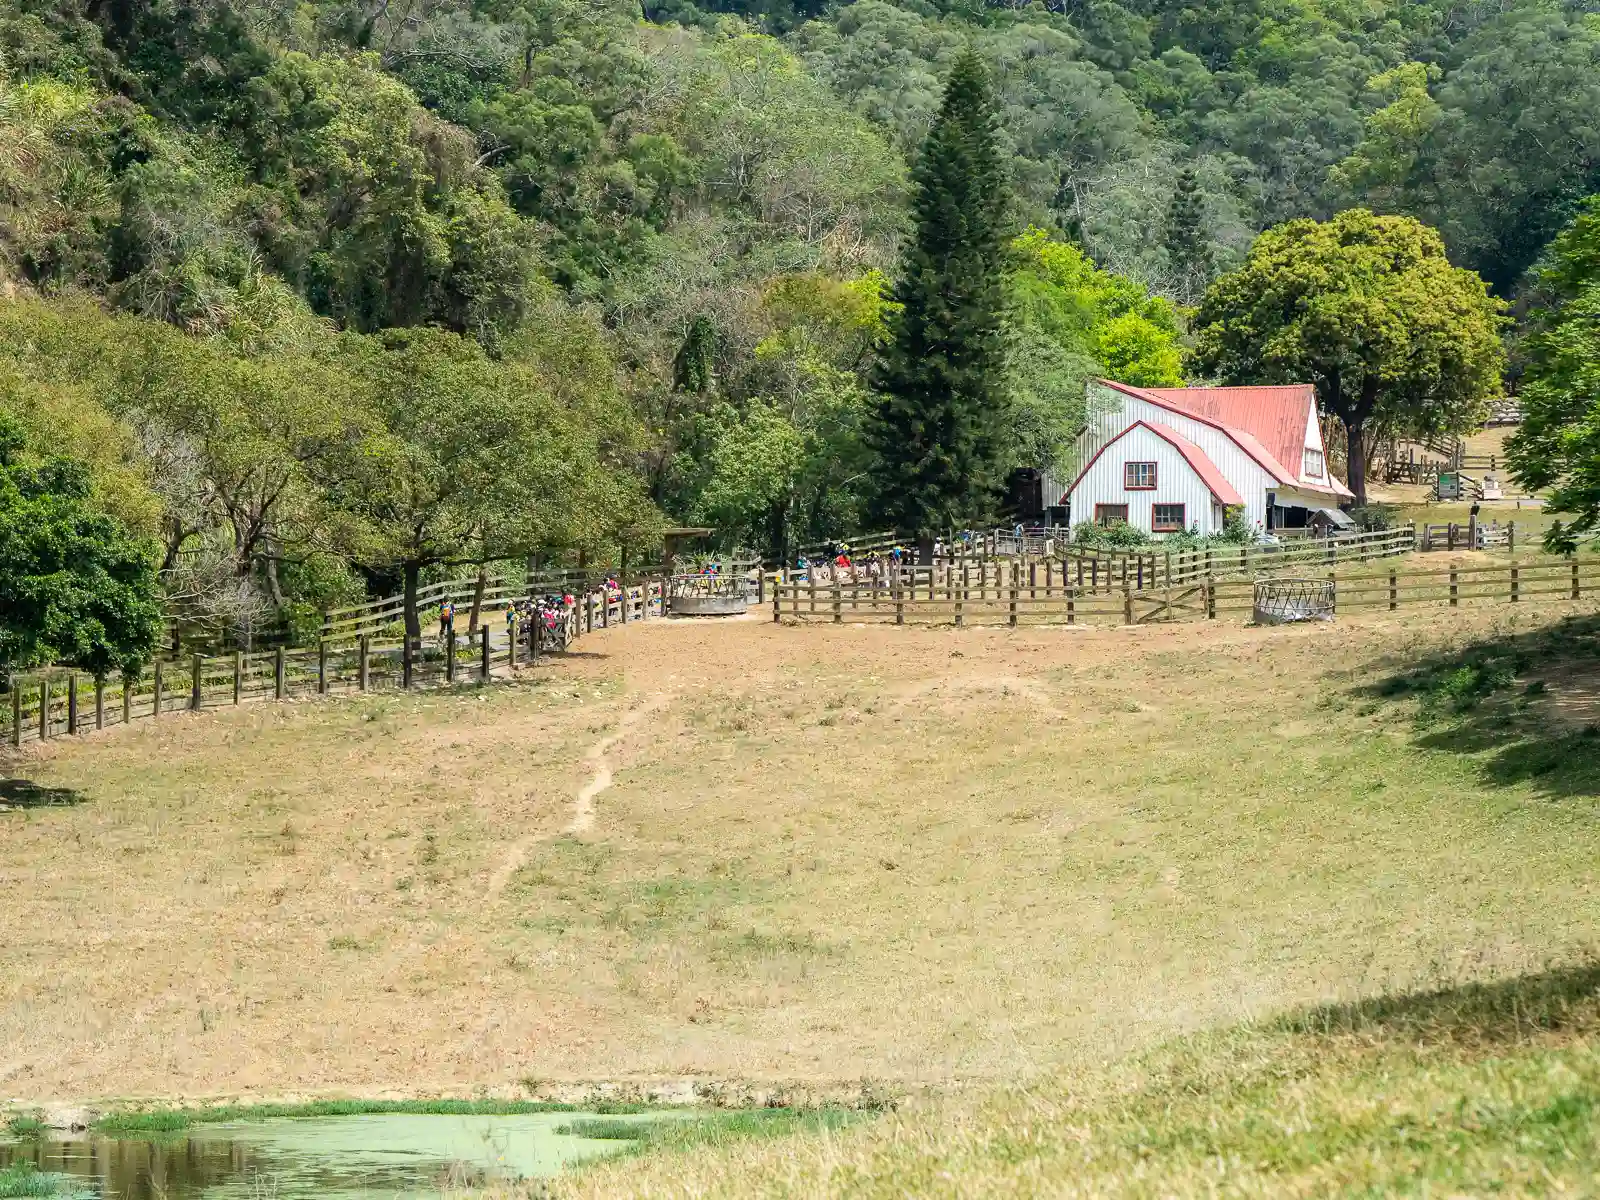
[[1281, 601], [724, 594]]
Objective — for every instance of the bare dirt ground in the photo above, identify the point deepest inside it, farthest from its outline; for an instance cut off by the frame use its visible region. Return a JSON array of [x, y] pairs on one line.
[[812, 858]]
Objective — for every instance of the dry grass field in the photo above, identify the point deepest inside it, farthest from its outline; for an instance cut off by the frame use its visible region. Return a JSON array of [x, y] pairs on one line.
[[827, 861], [828, 858]]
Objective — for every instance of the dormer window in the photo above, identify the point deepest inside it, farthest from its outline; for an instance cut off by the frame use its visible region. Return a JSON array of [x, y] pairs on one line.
[[1139, 476], [1314, 467]]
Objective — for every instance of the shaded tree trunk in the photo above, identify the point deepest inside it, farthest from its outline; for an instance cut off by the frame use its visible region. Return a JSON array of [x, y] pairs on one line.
[[477, 599], [413, 571], [274, 587], [1355, 435]]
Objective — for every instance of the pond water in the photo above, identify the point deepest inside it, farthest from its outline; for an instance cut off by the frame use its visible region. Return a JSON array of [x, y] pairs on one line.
[[383, 1155]]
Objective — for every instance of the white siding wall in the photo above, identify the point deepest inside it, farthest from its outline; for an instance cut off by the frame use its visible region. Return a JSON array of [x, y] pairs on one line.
[[1313, 442], [1289, 497], [1112, 411], [1176, 483]]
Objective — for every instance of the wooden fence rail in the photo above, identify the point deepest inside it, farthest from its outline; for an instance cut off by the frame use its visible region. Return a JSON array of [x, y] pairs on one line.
[[57, 702], [1018, 597]]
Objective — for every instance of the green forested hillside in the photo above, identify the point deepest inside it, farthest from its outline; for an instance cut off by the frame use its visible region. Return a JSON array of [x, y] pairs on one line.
[[660, 241]]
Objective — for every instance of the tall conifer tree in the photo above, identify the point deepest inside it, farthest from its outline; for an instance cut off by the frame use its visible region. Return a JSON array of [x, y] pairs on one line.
[[941, 427], [1185, 237]]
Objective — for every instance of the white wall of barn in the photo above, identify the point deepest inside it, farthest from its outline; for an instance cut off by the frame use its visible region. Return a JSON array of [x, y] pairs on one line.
[[1176, 483], [1111, 411]]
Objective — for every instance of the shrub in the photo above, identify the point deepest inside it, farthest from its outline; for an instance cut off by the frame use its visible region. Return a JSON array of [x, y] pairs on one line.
[[1119, 536], [1374, 518]]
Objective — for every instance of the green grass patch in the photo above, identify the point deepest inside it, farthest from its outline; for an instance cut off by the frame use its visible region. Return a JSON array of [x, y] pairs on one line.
[[24, 1179], [606, 1131], [26, 1129], [715, 1128], [174, 1120]]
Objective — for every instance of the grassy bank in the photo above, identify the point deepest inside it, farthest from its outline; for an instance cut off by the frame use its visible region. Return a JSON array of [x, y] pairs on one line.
[[173, 1120], [1484, 1087]]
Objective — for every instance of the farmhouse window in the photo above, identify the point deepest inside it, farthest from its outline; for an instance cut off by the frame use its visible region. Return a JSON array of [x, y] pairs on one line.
[[1314, 464], [1139, 476], [1110, 514], [1167, 518]]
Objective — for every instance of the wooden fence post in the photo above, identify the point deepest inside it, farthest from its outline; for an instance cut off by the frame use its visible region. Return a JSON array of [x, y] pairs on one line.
[[811, 578], [1451, 544], [99, 702], [72, 703], [838, 617], [405, 662], [450, 656], [127, 696], [363, 648], [1071, 602], [1511, 536], [155, 706], [1574, 578], [898, 588], [44, 709], [1127, 605], [535, 628], [961, 597], [1452, 587], [1211, 597], [1516, 588], [16, 711], [761, 585], [777, 602], [1333, 593], [622, 584], [279, 683], [1394, 590], [484, 663], [238, 673], [196, 682], [322, 666], [1012, 615]]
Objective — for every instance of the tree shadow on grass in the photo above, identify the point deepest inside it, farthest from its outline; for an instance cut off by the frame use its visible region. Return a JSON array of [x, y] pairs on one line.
[[1556, 1000], [24, 793], [1526, 705]]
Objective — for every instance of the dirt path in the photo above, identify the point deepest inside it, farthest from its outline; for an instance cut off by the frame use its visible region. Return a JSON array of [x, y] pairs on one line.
[[583, 804]]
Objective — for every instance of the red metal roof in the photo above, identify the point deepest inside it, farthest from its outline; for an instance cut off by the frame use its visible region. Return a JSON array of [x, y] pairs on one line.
[[1192, 454], [1268, 423]]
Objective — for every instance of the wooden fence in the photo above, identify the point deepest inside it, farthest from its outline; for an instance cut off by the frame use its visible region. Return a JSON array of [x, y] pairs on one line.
[[57, 701], [924, 595], [1111, 570]]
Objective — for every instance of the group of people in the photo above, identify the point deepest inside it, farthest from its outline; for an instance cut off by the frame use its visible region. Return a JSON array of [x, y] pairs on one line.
[[838, 566], [547, 618]]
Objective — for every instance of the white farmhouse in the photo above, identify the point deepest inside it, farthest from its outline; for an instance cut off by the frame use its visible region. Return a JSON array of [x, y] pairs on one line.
[[1170, 459]]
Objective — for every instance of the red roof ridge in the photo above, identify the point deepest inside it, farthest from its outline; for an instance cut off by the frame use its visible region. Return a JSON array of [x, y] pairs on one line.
[[1197, 459], [1171, 399]]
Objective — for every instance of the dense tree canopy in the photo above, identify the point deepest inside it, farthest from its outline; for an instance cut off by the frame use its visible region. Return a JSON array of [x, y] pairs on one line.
[[1369, 310], [664, 239], [1558, 445], [75, 588]]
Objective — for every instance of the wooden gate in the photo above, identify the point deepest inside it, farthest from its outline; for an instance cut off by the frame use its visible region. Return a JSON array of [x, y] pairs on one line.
[[1170, 604]]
